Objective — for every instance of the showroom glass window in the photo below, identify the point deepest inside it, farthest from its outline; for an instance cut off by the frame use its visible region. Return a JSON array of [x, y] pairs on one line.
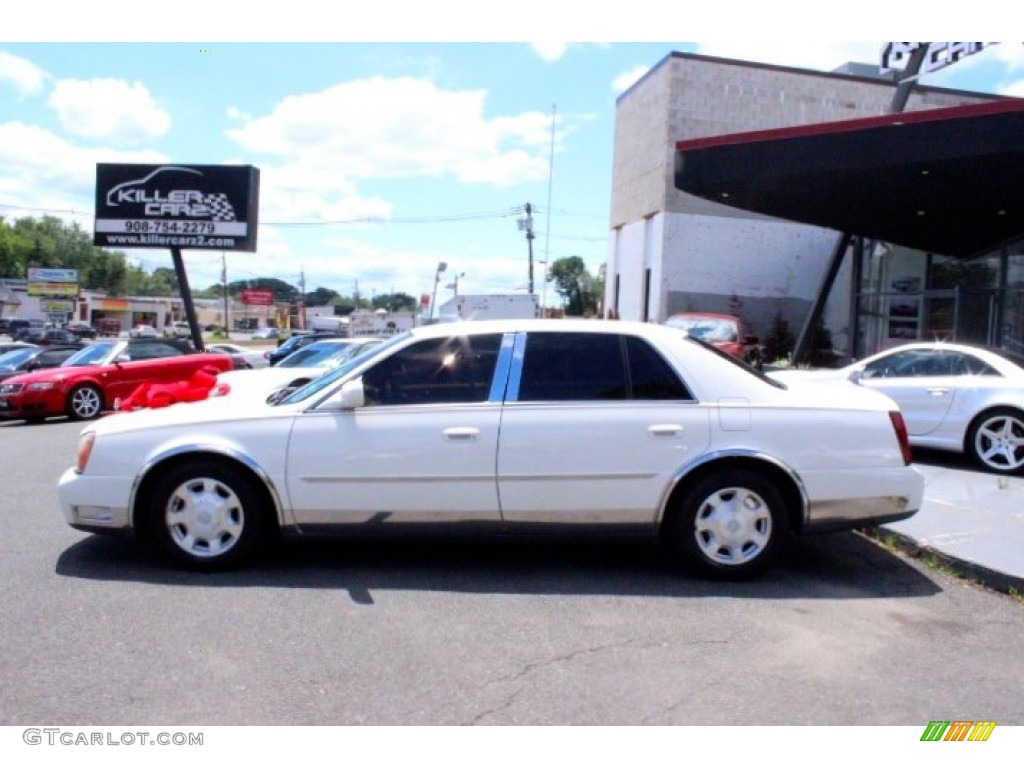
[[596, 366], [458, 369]]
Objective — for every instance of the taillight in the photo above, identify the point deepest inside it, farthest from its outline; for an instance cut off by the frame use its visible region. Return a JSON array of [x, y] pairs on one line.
[[901, 434]]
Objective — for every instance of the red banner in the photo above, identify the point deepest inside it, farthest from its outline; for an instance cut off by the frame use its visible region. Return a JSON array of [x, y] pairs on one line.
[[260, 298]]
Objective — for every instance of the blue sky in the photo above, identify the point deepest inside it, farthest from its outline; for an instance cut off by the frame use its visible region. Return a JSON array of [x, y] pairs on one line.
[[441, 143]]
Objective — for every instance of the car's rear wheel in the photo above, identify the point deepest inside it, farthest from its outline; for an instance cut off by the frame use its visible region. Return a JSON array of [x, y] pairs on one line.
[[85, 402], [729, 524], [995, 440], [206, 515]]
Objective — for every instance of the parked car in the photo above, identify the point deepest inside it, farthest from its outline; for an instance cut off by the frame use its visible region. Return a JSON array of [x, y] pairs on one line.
[[90, 381], [954, 397], [31, 358], [178, 330], [295, 343], [248, 357], [727, 332], [300, 367], [82, 330], [266, 333], [506, 426], [46, 336], [7, 346], [20, 327], [143, 331]]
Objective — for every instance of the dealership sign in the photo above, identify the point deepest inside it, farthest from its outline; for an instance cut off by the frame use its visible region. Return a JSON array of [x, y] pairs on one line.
[[259, 298], [939, 55], [52, 282], [177, 206]]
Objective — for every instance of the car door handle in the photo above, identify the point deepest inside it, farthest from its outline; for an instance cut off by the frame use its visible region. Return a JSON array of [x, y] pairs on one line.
[[938, 391], [461, 433], [665, 430]]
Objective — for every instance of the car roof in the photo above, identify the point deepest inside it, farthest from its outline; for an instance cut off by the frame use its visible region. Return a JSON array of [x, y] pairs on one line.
[[651, 331], [988, 354]]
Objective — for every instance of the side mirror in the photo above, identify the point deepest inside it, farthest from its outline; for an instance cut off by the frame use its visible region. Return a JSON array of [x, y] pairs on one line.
[[856, 375], [352, 395]]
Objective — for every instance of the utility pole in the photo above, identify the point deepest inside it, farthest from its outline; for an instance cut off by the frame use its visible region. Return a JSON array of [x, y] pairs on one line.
[[224, 279], [526, 224]]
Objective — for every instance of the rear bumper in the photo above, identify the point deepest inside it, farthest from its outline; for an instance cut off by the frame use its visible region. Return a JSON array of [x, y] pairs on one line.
[[863, 499]]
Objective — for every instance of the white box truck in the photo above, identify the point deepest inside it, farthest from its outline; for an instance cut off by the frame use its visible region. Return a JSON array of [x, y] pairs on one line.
[[494, 306]]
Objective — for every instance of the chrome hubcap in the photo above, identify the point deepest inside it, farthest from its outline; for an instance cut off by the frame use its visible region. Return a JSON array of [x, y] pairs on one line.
[[204, 517], [1000, 443], [733, 526]]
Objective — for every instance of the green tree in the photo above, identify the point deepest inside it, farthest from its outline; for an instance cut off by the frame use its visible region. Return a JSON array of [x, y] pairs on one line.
[[395, 302], [320, 297], [574, 284]]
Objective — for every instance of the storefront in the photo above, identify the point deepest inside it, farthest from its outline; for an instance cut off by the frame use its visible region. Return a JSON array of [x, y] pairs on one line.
[[932, 203]]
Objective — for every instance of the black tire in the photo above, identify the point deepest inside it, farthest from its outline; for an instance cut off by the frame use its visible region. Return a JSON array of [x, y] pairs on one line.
[[729, 525], [84, 402], [206, 515], [995, 440]]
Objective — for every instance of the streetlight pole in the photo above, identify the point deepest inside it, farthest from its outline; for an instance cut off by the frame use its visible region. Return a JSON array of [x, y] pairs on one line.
[[441, 267]]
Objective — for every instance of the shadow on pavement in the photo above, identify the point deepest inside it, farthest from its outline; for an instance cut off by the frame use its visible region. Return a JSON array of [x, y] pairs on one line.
[[829, 566]]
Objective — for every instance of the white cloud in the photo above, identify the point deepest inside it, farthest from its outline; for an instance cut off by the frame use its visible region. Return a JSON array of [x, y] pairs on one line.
[[25, 76], [550, 51], [39, 166], [109, 109], [381, 128], [1013, 89], [628, 78]]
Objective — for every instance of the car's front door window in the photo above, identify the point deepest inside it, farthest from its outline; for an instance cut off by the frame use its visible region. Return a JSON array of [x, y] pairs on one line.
[[452, 370]]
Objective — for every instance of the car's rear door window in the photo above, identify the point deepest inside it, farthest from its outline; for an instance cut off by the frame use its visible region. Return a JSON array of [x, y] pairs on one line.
[[595, 366]]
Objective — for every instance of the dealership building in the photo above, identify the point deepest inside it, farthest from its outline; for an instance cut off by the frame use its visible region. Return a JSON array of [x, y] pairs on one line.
[[765, 192]]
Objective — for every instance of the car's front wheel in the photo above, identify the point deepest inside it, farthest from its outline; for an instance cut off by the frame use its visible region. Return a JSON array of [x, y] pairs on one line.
[[996, 440], [206, 515], [729, 524], [85, 402]]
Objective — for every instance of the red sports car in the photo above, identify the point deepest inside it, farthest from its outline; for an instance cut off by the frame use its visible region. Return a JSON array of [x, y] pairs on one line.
[[93, 379]]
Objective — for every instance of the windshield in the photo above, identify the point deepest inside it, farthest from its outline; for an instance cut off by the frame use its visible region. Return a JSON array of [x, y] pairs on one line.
[[319, 354], [329, 379], [9, 361], [707, 328], [94, 354]]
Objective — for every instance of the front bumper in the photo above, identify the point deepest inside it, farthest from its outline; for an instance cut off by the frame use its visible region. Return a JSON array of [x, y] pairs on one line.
[[27, 405], [95, 504]]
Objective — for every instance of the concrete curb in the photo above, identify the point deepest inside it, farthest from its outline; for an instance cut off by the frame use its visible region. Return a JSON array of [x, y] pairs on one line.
[[986, 577]]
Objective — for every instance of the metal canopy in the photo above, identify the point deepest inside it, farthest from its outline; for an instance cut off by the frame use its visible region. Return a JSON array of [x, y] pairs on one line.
[[947, 181]]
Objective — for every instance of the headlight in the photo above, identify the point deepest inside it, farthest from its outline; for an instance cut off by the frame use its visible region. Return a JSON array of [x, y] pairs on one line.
[[84, 451], [40, 386]]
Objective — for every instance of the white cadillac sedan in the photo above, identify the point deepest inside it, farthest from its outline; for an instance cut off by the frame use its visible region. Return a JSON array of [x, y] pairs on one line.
[[505, 426], [954, 397]]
